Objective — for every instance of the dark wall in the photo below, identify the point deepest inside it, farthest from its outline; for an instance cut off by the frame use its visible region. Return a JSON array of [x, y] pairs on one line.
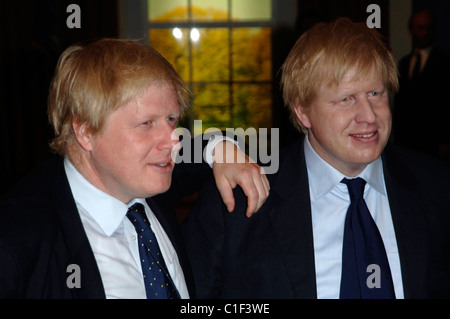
[[33, 34]]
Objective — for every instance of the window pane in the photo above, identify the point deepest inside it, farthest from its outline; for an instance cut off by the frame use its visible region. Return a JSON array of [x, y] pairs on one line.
[[210, 54], [252, 105], [252, 59], [209, 10], [173, 45], [230, 78], [167, 10], [211, 105], [251, 10]]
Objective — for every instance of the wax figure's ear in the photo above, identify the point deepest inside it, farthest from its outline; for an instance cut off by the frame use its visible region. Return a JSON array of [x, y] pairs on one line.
[[83, 134]]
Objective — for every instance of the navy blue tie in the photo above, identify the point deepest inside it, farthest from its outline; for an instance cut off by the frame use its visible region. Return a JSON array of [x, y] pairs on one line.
[[158, 284], [365, 267]]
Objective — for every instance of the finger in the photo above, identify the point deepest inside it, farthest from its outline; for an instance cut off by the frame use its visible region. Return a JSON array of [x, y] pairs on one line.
[[226, 192], [263, 187], [252, 193], [266, 185], [254, 186], [265, 181], [262, 191], [252, 204]]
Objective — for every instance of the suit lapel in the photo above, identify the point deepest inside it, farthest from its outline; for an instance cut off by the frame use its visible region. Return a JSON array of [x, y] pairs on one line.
[[78, 247], [162, 218], [290, 215], [408, 224], [171, 227]]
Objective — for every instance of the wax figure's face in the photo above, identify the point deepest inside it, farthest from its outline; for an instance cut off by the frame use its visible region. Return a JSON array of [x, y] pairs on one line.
[[132, 156], [349, 124]]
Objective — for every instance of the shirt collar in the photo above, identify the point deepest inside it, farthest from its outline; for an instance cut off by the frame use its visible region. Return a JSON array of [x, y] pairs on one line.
[[423, 51], [323, 177], [107, 211]]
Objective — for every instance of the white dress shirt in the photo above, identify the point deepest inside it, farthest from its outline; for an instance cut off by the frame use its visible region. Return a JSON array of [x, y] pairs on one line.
[[113, 239], [329, 204]]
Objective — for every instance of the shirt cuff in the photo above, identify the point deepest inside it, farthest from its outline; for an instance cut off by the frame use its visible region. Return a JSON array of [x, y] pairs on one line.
[[212, 143]]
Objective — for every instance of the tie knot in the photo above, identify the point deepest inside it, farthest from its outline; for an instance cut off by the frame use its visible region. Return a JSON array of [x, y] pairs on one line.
[[355, 187], [417, 53], [136, 214]]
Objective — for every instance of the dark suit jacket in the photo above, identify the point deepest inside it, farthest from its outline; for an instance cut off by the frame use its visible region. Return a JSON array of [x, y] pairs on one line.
[[421, 107], [41, 233], [271, 254]]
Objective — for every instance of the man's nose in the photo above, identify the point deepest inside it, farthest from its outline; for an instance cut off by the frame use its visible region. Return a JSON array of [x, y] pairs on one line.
[[169, 138], [366, 112]]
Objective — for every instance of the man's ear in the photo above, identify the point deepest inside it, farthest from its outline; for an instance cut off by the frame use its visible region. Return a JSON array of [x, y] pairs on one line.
[[83, 134], [303, 115]]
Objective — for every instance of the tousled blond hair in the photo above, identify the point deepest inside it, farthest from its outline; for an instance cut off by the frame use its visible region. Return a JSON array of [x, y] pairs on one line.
[[325, 53], [93, 80]]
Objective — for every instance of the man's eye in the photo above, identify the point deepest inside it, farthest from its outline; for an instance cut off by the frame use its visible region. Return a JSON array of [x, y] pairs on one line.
[[172, 119], [345, 99], [374, 93]]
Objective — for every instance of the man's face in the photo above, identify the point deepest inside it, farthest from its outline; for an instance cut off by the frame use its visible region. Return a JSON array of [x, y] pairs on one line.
[[131, 158], [421, 29], [349, 124]]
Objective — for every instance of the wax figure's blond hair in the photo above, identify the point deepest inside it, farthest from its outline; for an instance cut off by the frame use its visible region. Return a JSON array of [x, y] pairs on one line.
[[93, 80], [325, 53]]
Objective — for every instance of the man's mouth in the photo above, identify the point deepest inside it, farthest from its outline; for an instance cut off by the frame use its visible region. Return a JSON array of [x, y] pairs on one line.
[[364, 135], [162, 164]]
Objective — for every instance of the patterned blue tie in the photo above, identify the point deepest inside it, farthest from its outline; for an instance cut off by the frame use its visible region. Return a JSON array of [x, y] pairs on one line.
[[365, 267], [158, 284]]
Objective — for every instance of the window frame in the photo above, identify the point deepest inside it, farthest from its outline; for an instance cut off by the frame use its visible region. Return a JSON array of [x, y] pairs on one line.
[[134, 24]]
